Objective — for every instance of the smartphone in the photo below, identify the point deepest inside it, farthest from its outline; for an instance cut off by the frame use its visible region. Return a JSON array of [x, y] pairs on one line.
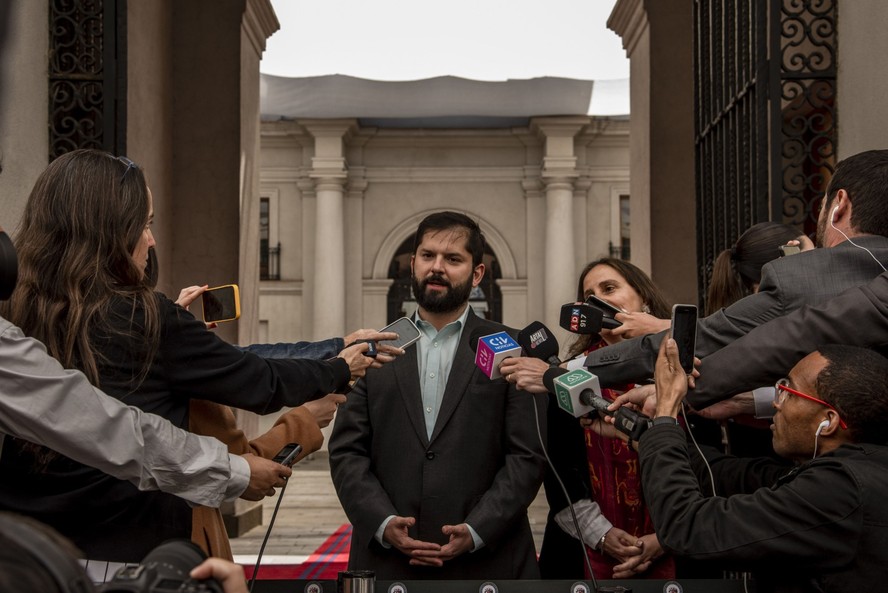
[[287, 456], [608, 311], [407, 332], [684, 332], [221, 303], [789, 250]]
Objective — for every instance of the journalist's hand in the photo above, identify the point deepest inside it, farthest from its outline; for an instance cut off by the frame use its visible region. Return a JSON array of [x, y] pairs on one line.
[[265, 475], [639, 324], [229, 574], [602, 426], [739, 405], [357, 362], [525, 372], [671, 380], [642, 398], [325, 408], [189, 294], [385, 353]]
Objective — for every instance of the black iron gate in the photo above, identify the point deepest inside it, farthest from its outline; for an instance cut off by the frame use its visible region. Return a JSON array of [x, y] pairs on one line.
[[87, 75], [765, 116]]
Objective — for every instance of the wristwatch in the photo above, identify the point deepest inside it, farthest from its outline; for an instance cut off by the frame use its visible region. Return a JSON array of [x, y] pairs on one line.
[[664, 420]]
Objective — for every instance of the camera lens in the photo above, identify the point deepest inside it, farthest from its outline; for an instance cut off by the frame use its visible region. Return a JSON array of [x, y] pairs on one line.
[[177, 557]]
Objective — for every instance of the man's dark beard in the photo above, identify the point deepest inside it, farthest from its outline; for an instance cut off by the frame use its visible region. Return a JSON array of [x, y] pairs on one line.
[[451, 300]]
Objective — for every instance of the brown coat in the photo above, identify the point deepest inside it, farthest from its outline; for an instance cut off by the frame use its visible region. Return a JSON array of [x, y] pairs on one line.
[[216, 420]]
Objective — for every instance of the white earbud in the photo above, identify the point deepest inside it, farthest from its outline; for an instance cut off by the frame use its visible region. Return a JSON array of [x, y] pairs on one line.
[[820, 427], [832, 217]]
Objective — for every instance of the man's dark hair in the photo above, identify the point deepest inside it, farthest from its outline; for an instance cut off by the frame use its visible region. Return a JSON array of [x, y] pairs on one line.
[[447, 220], [865, 177], [855, 381]]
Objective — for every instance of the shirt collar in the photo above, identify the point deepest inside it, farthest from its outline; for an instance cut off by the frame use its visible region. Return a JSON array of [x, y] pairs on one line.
[[425, 326]]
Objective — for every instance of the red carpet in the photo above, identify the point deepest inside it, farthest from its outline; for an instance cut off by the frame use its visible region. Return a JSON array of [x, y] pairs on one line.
[[326, 562]]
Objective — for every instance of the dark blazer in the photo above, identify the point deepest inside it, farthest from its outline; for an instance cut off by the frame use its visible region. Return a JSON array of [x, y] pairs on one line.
[[110, 519], [817, 528], [857, 317], [808, 278], [483, 466]]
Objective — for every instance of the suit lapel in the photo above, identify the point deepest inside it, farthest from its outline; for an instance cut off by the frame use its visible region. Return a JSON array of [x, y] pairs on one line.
[[407, 377], [461, 373]]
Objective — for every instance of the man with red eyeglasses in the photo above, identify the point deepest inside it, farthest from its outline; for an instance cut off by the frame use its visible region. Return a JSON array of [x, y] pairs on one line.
[[821, 525]]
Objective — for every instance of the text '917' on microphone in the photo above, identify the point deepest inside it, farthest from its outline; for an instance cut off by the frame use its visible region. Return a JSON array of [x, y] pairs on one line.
[[492, 350], [538, 342], [577, 392], [581, 318]]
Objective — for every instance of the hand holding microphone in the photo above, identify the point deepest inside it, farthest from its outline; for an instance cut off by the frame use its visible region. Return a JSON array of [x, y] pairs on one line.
[[491, 350], [589, 317], [540, 350], [579, 393]]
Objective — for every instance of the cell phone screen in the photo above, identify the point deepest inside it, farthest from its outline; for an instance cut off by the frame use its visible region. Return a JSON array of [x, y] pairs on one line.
[[407, 332], [221, 303], [684, 332]]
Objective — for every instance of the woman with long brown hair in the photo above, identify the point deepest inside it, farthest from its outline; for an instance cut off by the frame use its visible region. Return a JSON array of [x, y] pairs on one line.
[[83, 247], [737, 271]]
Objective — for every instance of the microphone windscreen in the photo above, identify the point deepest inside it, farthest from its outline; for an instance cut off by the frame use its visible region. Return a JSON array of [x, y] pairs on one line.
[[538, 342], [550, 375], [581, 318], [477, 334]]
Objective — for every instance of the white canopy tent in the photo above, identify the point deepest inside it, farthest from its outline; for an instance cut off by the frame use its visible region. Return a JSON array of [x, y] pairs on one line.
[[446, 101]]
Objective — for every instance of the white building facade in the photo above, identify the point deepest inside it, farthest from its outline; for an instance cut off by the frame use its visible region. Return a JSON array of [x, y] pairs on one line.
[[343, 197]]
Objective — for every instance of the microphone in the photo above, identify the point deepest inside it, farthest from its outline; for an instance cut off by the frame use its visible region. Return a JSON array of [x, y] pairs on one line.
[[581, 318], [538, 342], [491, 350], [589, 317], [577, 392]]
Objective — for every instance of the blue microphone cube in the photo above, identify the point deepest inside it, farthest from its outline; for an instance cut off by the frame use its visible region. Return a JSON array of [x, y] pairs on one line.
[[492, 350]]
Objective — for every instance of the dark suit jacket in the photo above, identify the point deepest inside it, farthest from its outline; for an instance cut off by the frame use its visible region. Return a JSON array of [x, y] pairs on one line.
[[808, 278], [483, 466], [857, 317]]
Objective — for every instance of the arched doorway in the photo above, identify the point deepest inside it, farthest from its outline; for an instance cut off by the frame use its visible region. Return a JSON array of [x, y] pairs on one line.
[[486, 299]]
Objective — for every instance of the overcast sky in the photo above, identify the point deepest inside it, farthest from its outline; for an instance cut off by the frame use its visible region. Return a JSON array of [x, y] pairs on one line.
[[414, 39]]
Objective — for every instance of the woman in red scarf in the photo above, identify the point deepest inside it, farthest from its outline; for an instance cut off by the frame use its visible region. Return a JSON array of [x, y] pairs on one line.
[[613, 465]]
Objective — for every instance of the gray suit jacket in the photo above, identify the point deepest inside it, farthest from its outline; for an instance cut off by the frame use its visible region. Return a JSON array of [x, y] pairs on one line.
[[808, 278], [857, 317], [483, 466]]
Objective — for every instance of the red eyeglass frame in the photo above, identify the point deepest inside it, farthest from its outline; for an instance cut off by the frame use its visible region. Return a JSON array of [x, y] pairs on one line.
[[782, 386]]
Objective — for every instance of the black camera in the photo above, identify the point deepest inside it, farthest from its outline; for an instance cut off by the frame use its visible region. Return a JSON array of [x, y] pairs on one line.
[[164, 569]]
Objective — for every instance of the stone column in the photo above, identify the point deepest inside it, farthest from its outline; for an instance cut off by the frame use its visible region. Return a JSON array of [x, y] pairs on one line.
[[329, 172], [560, 270], [558, 175]]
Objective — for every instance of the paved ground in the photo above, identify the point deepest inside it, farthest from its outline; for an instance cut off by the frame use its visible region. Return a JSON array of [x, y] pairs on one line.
[[310, 512]]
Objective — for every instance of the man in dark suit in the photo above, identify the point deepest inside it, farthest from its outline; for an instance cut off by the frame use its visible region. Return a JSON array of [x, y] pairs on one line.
[[852, 234], [434, 463], [857, 317]]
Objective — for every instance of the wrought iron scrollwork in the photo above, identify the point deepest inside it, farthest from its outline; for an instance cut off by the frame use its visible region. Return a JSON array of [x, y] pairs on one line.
[[765, 112], [85, 76], [807, 90]]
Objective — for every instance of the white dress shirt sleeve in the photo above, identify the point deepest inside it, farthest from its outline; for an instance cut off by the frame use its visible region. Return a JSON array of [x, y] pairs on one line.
[[44, 403]]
